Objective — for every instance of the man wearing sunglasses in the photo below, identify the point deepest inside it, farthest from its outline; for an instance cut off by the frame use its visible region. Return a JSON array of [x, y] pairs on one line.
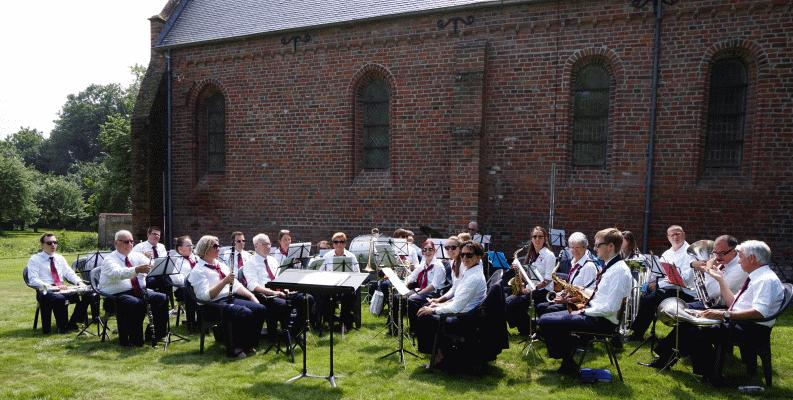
[[123, 274], [239, 255], [725, 259], [49, 272]]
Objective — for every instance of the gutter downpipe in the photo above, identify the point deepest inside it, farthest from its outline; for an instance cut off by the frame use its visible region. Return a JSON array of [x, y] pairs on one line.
[[168, 168]]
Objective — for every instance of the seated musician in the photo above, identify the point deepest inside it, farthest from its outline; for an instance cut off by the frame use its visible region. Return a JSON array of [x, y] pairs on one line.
[[211, 279], [49, 272], [659, 289], [426, 281], [630, 250], [541, 258], [123, 274], [257, 272], [760, 296], [583, 273], [600, 314], [152, 248], [452, 248], [725, 259], [470, 291], [186, 261], [347, 300], [411, 260], [238, 249]]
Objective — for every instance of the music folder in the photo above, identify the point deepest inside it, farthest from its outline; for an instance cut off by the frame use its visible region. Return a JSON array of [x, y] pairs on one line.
[[440, 252], [164, 266], [397, 283], [673, 275]]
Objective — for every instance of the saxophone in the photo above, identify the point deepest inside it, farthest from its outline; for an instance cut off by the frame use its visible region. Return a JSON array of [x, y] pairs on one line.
[[577, 297], [517, 283]]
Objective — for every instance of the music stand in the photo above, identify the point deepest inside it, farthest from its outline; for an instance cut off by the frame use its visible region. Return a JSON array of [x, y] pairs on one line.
[[675, 279], [529, 278], [83, 266], [558, 238], [398, 286], [440, 252], [342, 264], [655, 269], [327, 283], [162, 267], [497, 259]]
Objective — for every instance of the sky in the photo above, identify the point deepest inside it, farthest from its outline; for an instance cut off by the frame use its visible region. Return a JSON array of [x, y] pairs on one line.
[[50, 49]]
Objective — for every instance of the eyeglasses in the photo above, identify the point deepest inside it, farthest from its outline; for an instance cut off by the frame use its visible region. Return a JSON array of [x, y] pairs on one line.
[[339, 241], [52, 242], [155, 234], [190, 245], [538, 236], [427, 250], [467, 255], [215, 246], [597, 245], [451, 247], [240, 241], [722, 253]]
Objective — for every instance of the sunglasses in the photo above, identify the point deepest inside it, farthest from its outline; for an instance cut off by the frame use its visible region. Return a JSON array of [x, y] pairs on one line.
[[52, 242], [538, 237], [451, 247], [722, 253], [467, 255], [215, 246], [127, 241], [240, 241], [427, 250], [597, 245], [339, 241]]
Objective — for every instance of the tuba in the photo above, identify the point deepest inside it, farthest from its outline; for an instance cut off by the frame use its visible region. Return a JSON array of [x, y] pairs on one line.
[[701, 250], [674, 310]]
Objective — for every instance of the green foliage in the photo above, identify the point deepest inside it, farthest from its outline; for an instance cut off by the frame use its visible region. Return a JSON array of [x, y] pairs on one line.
[[17, 203], [113, 188], [21, 244], [76, 242], [27, 144], [75, 136], [60, 202]]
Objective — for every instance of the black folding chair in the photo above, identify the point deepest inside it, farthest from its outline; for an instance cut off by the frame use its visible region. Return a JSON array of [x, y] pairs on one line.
[[590, 338], [38, 300], [110, 302], [204, 322]]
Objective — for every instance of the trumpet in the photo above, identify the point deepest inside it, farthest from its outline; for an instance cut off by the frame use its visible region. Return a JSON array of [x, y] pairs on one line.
[[375, 235]]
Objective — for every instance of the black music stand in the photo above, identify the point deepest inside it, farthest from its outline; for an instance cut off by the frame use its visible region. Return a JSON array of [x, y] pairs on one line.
[[529, 347], [440, 252], [162, 267], [298, 253], [655, 268], [327, 283], [396, 284], [83, 266], [484, 240], [342, 264]]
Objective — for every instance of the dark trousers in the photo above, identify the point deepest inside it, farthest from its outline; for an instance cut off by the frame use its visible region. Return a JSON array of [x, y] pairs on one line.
[[190, 307], [414, 302], [557, 326], [324, 306], [427, 326], [277, 311], [548, 307], [57, 304], [517, 308], [648, 305], [244, 317], [130, 312]]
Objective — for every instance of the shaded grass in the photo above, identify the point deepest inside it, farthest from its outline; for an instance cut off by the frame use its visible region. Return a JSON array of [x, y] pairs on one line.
[[34, 366], [15, 244]]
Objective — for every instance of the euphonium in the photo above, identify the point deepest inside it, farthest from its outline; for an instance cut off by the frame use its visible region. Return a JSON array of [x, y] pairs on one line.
[[701, 250]]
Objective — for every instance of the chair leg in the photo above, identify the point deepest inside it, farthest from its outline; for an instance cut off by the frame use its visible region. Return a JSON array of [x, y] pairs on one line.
[[613, 359], [178, 312], [765, 357], [36, 317]]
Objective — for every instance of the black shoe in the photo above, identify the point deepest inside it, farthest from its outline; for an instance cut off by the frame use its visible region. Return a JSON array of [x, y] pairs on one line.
[[568, 367], [658, 363]]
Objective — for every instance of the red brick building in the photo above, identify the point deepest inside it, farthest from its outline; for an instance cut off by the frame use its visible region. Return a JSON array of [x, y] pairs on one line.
[[319, 116]]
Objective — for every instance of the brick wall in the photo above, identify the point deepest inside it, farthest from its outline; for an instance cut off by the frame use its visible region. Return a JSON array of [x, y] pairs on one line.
[[478, 118]]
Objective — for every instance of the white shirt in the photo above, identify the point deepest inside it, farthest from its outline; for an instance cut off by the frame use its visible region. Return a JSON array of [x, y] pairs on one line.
[[682, 260], [255, 271], [544, 264], [39, 274], [237, 254], [586, 274], [437, 275], [456, 280], [327, 265], [145, 246], [183, 265], [470, 292], [204, 277], [764, 294], [115, 276], [615, 285], [734, 276]]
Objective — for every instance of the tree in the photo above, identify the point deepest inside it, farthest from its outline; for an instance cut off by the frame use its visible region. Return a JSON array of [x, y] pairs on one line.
[[113, 192], [61, 202], [76, 131], [17, 206], [27, 143]]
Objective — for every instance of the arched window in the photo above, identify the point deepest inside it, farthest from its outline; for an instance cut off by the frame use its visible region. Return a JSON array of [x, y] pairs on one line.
[[726, 114], [211, 130], [373, 100], [590, 116]]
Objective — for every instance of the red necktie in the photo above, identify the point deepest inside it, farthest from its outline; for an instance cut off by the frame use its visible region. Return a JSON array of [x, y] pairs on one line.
[[56, 280], [284, 252], [239, 260], [573, 270], [269, 272], [218, 270], [743, 289], [154, 250], [134, 280], [424, 276], [192, 263]]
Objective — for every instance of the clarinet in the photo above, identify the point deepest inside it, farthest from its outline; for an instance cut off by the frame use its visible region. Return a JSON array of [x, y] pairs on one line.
[[230, 297], [149, 314]]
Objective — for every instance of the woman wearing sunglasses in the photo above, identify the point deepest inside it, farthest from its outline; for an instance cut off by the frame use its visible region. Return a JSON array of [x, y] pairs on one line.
[[452, 248], [542, 259], [210, 280], [426, 280], [470, 292]]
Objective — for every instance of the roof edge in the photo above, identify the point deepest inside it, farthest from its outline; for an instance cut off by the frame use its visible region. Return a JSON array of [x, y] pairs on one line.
[[171, 21]]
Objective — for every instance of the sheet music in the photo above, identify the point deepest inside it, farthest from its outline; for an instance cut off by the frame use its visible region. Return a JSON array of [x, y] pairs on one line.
[[397, 283], [324, 278], [440, 252], [482, 239], [558, 237]]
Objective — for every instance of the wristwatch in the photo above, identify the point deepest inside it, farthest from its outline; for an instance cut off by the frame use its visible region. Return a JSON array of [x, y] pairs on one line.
[[726, 315]]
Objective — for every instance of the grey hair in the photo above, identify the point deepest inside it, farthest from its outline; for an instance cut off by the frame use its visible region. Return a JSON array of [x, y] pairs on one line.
[[261, 237], [578, 238], [758, 249], [122, 233], [204, 244]]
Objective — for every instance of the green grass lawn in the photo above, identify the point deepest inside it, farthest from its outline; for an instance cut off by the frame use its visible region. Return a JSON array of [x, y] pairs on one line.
[[34, 366]]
